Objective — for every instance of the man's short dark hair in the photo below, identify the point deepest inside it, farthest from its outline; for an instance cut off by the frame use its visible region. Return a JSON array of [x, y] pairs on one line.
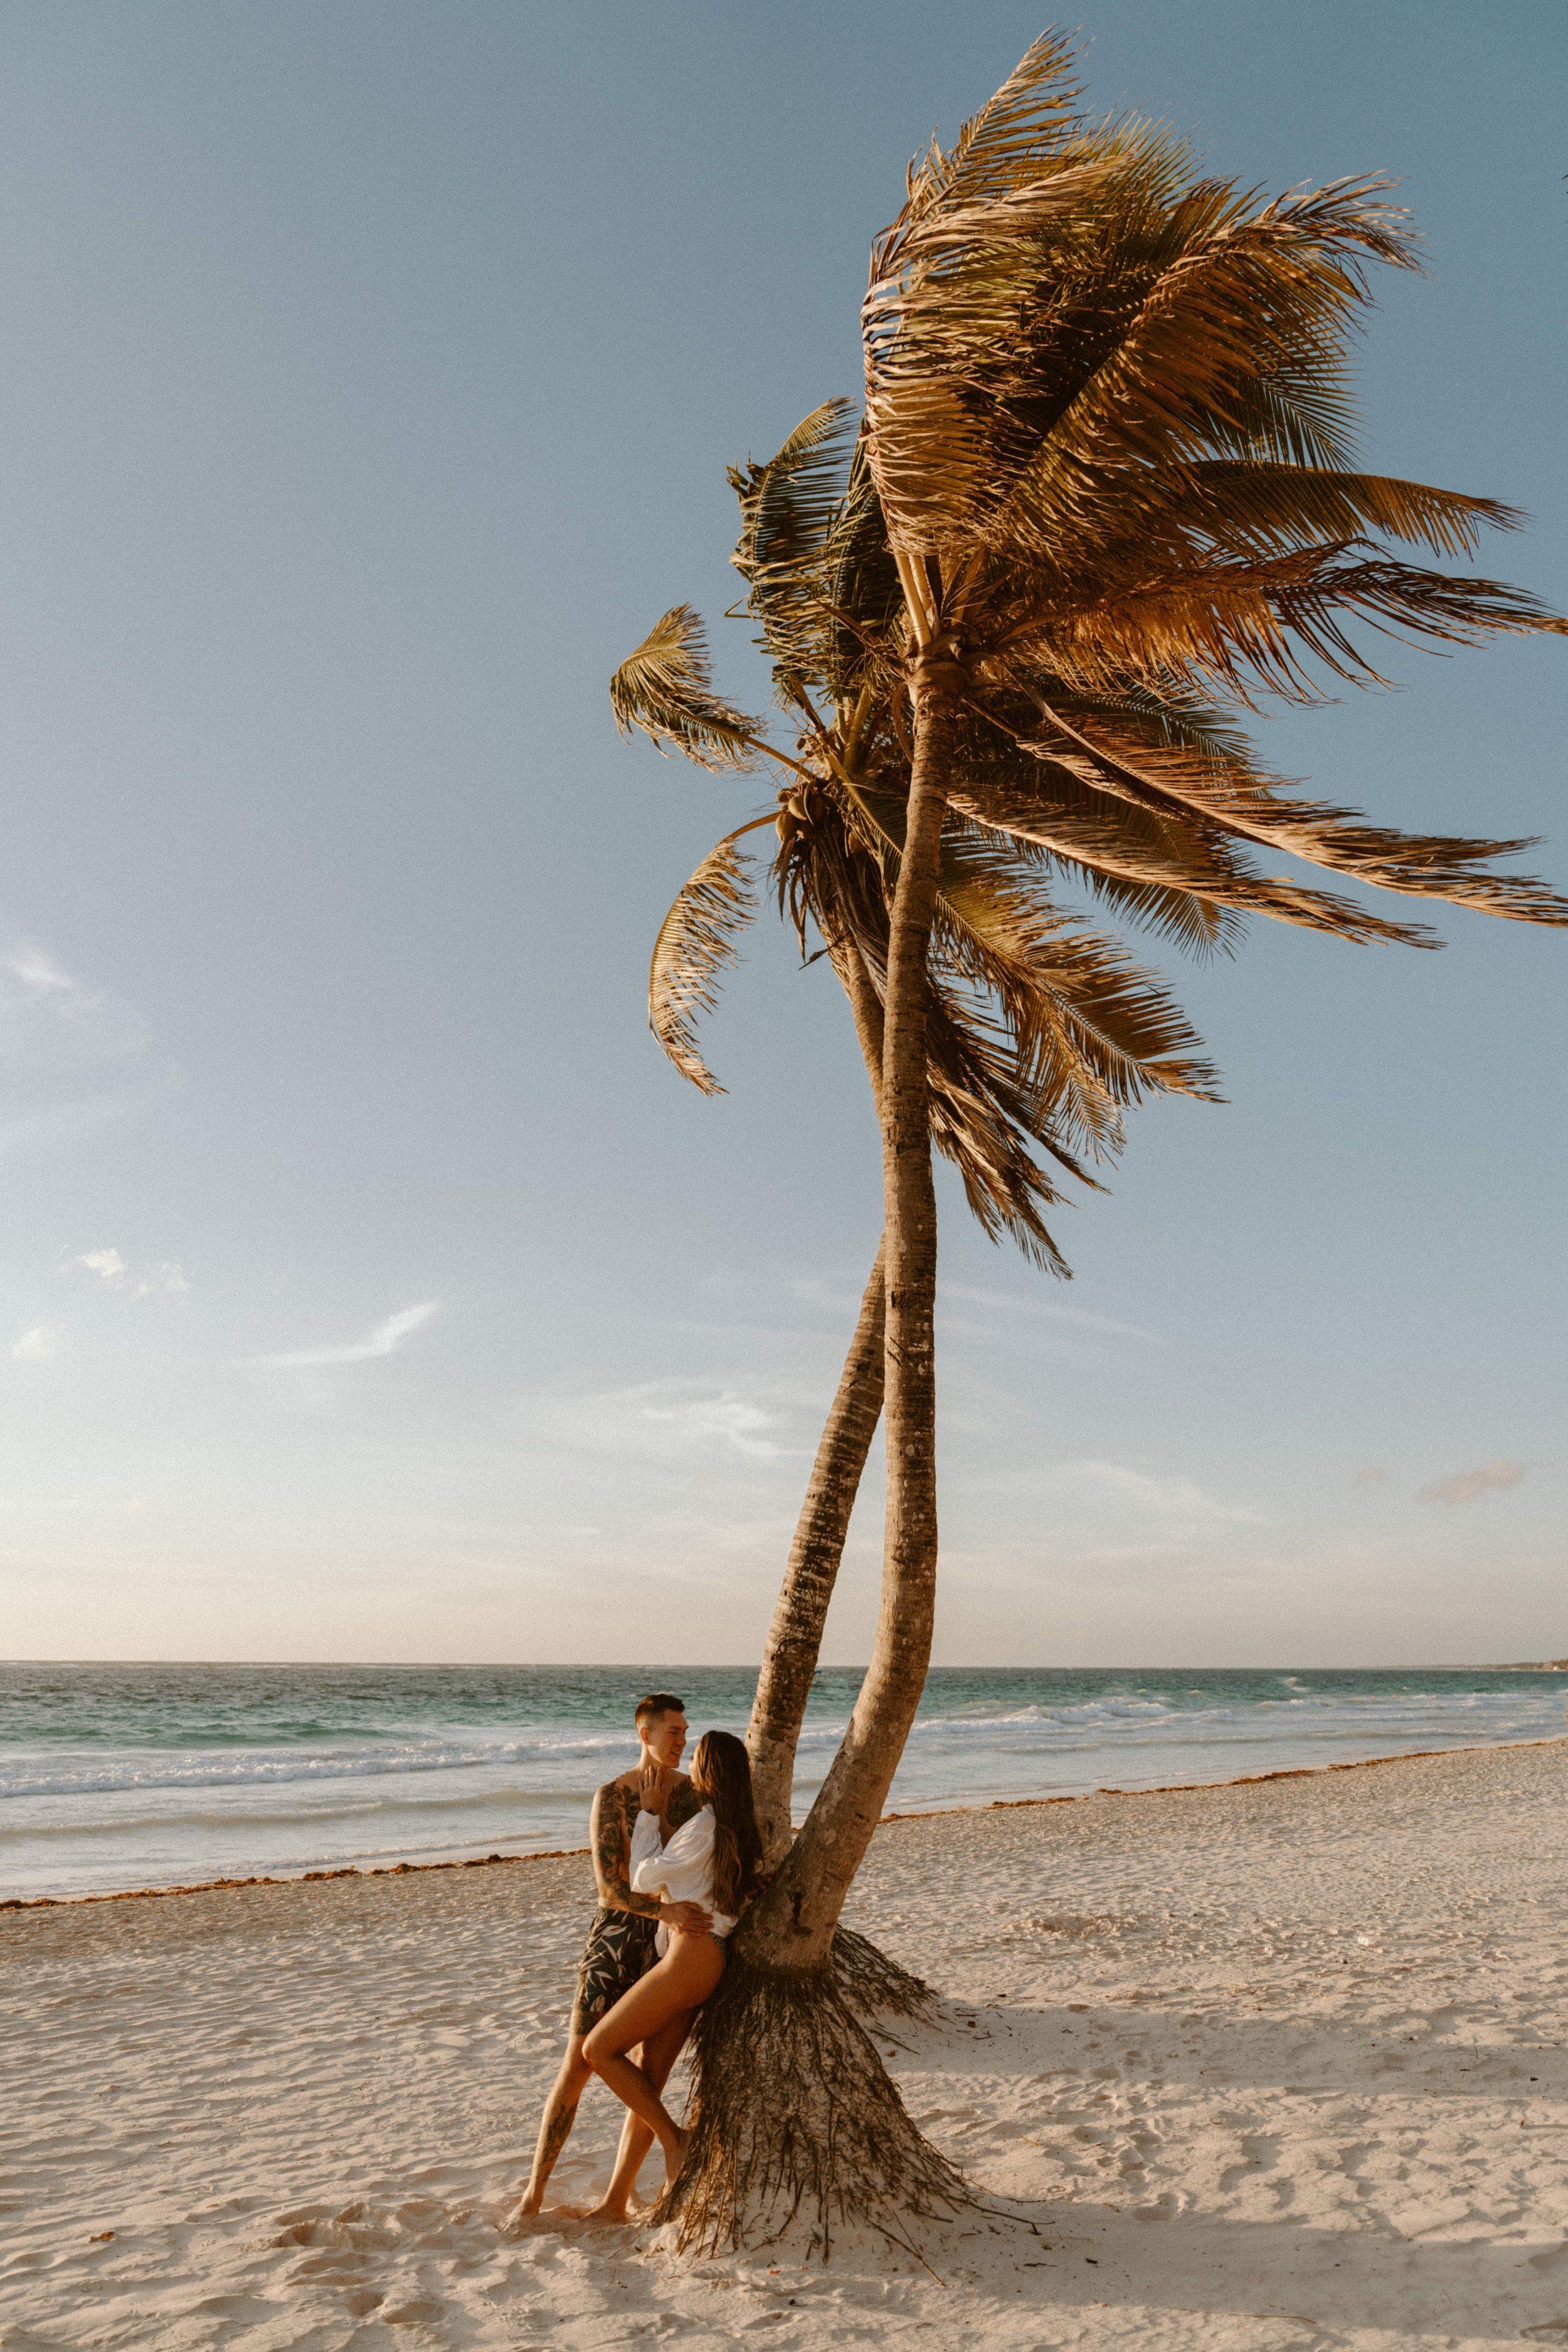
[[657, 1703]]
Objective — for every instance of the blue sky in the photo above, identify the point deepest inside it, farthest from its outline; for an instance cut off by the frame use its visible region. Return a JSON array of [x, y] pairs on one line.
[[372, 1287]]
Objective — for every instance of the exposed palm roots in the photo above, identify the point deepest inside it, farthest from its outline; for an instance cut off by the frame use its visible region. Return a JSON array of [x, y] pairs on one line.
[[793, 2120], [872, 1983]]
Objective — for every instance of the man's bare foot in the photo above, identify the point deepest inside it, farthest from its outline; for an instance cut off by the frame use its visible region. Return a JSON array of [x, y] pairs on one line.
[[525, 2219]]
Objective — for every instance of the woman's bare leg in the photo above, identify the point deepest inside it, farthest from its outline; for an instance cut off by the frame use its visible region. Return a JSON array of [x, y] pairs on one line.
[[681, 1980], [660, 2053], [634, 2090]]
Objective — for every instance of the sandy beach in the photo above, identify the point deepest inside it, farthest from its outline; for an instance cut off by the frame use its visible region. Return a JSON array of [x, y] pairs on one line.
[[1267, 2066]]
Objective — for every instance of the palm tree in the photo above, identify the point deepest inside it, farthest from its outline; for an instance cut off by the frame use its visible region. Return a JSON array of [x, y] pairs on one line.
[[1107, 431]]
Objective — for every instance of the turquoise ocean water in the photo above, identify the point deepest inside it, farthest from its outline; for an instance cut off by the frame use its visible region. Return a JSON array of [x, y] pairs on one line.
[[115, 1777]]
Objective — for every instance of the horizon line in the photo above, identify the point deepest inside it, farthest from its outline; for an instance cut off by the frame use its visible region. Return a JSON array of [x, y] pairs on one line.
[[621, 1665]]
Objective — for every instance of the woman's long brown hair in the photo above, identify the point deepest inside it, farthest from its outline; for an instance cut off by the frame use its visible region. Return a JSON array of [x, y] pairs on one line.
[[721, 1776]]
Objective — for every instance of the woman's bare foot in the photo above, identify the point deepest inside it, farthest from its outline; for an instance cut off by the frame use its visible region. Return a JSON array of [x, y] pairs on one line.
[[675, 2157], [608, 2215]]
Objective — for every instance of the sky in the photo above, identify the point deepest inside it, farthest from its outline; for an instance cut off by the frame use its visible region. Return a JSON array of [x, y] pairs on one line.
[[370, 1285]]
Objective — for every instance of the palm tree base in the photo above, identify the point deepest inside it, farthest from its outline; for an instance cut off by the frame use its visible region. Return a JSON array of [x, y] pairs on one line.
[[874, 1985], [796, 2125]]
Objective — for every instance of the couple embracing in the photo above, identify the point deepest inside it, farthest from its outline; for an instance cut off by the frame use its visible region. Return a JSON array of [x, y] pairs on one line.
[[677, 1857]]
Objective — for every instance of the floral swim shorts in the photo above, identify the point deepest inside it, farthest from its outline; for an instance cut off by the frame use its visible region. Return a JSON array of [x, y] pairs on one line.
[[620, 1946]]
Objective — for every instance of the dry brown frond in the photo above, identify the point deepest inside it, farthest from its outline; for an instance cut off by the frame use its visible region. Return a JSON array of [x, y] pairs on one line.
[[696, 941], [666, 688]]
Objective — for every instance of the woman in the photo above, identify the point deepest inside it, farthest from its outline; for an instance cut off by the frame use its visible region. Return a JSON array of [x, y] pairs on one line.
[[712, 1859]]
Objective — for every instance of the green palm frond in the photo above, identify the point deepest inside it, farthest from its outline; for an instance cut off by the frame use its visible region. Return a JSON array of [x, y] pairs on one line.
[[696, 943], [666, 688]]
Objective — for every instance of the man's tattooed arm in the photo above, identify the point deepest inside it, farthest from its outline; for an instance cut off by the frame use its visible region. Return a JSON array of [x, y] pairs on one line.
[[610, 1832]]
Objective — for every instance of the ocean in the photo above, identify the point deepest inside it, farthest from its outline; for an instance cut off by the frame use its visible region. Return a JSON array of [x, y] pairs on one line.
[[117, 1777]]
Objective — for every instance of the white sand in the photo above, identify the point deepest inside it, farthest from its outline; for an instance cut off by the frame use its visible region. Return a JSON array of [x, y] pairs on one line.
[[1277, 2065]]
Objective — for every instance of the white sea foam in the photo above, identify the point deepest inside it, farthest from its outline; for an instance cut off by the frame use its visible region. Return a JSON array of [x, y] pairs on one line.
[[118, 1777]]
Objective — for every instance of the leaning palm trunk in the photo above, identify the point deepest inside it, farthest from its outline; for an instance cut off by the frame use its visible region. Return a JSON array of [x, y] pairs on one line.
[[872, 1982], [795, 1637], [794, 1922], [792, 2114]]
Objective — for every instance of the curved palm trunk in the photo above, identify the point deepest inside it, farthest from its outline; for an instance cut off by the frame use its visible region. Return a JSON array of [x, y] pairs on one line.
[[791, 2108], [795, 1637], [792, 1925]]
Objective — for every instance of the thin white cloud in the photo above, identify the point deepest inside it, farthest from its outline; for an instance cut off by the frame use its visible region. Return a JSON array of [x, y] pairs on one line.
[[163, 1280], [728, 1420], [1178, 1499], [107, 1264], [71, 1058], [384, 1341], [665, 1421], [39, 1343], [815, 1290], [1464, 1486], [51, 1020], [1047, 1311]]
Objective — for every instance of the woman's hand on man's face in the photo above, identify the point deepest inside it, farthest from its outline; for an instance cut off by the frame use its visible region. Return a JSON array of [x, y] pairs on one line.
[[655, 1783]]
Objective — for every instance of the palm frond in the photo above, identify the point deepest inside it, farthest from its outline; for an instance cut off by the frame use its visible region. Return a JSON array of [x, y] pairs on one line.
[[1238, 343], [813, 550], [1007, 138], [1052, 795], [696, 943], [1228, 796], [666, 688], [982, 1120], [1103, 310], [1253, 506], [1087, 1020], [862, 596], [1201, 927], [1250, 626], [788, 504]]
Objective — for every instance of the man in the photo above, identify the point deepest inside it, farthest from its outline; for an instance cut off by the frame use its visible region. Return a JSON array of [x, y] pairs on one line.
[[620, 1941]]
